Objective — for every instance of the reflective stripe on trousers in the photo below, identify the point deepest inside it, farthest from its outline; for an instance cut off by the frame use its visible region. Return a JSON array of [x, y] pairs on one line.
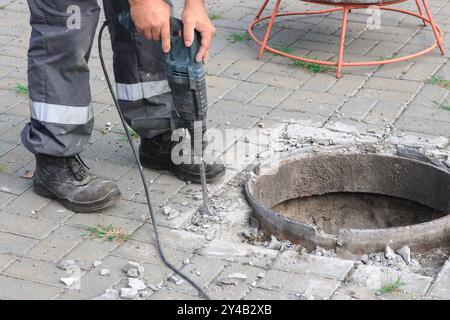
[[62, 35]]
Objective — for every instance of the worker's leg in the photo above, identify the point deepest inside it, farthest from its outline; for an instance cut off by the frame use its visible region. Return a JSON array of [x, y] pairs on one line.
[[141, 85], [61, 116], [58, 76], [145, 98]]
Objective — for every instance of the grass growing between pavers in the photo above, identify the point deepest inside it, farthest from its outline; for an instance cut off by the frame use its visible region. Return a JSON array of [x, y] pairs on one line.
[[109, 233], [2, 168], [445, 105], [22, 89], [312, 67], [284, 49], [134, 135], [215, 16], [439, 81], [392, 286], [234, 37]]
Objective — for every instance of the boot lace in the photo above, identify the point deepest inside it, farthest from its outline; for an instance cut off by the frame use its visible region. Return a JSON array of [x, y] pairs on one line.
[[77, 167]]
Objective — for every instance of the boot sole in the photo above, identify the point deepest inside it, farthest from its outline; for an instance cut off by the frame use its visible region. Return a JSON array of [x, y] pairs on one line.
[[158, 166], [110, 200]]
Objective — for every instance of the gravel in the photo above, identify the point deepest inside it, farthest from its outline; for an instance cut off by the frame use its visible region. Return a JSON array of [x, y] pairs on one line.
[[109, 294], [65, 264], [105, 272], [136, 284], [405, 253], [128, 293]]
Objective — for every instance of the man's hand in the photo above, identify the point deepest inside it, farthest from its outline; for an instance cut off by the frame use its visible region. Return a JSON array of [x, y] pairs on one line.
[[195, 17], [152, 20]]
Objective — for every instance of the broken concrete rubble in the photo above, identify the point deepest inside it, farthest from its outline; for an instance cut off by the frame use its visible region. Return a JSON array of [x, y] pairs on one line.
[[133, 269], [405, 253], [128, 293], [65, 264], [109, 294], [104, 272], [136, 284]]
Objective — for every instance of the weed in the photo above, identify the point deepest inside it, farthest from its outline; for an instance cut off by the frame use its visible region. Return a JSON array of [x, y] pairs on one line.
[[313, 67], [439, 81], [109, 233], [134, 135], [21, 89], [392, 286], [238, 37], [285, 49], [215, 16]]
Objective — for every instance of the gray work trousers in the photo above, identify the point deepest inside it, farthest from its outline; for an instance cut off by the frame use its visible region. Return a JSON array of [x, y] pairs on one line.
[[62, 35]]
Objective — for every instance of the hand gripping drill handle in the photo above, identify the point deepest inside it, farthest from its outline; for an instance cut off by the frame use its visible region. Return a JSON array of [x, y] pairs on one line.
[[186, 79]]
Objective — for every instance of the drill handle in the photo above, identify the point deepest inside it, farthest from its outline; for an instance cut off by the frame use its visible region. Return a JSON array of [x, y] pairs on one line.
[[176, 37], [126, 21]]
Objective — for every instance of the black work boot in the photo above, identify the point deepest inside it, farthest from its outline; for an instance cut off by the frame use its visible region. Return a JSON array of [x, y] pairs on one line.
[[68, 181], [155, 154]]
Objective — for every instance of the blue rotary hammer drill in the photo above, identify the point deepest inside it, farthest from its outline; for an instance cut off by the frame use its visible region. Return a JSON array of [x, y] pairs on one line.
[[186, 79]]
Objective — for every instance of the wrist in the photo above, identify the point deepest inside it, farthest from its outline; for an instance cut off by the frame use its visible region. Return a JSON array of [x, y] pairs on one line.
[[136, 2], [190, 2]]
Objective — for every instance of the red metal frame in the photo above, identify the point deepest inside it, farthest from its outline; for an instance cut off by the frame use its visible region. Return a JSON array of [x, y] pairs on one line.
[[346, 8]]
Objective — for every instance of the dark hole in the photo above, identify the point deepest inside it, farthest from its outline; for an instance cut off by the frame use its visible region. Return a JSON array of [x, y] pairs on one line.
[[334, 211]]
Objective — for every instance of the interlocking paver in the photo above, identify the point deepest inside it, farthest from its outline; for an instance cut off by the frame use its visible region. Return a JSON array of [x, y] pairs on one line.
[[14, 159], [27, 204], [244, 92], [244, 253], [18, 289], [37, 271], [375, 277], [14, 244], [145, 252], [274, 80], [178, 239], [6, 260], [13, 184], [271, 96], [319, 288], [57, 244], [90, 250], [5, 198], [234, 281], [251, 110], [249, 97], [242, 69], [55, 211], [36, 228], [313, 265], [202, 270], [264, 294], [356, 108]]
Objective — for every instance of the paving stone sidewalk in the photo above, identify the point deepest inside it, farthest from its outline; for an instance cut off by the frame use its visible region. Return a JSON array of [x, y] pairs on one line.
[[399, 103]]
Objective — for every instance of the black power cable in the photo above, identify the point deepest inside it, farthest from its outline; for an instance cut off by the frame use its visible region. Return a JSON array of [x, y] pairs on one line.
[[136, 156]]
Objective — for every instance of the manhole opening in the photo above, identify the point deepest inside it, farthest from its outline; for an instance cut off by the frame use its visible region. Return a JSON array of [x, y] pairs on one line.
[[335, 211], [357, 202]]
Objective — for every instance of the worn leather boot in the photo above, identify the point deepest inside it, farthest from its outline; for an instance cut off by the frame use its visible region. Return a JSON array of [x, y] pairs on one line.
[[68, 181], [155, 154]]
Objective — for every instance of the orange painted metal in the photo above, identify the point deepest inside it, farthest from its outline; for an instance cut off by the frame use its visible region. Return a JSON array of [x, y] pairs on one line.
[[346, 8], [421, 12], [342, 42]]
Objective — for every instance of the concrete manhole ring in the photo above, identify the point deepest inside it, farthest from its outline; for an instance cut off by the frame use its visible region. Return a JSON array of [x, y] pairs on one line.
[[370, 176]]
